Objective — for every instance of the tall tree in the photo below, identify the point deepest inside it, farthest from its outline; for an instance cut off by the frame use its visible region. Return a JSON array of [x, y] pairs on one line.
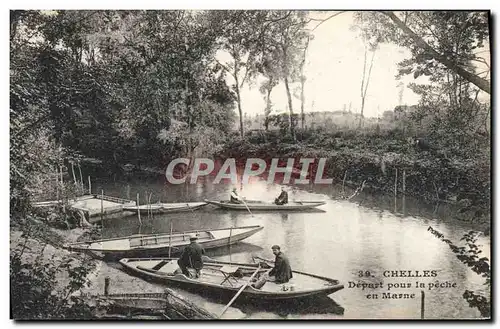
[[285, 44], [240, 39], [433, 36]]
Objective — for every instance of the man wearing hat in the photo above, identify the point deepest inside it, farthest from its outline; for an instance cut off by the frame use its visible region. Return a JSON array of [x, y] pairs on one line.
[[282, 198], [191, 257], [235, 198], [282, 271]]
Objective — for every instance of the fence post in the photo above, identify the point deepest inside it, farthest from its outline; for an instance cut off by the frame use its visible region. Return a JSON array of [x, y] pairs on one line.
[[106, 285], [102, 207], [396, 183], [170, 238], [404, 181], [138, 210], [422, 304]]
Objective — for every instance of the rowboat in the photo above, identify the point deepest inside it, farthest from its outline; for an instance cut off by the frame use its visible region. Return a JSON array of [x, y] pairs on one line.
[[163, 208], [261, 205], [224, 279], [159, 244]]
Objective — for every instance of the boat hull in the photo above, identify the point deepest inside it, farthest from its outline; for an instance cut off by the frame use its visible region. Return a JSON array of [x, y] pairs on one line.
[[164, 250], [166, 208], [225, 292], [262, 206]]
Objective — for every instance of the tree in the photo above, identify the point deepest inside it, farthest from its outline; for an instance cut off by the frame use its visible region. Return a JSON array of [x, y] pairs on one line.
[[369, 46], [285, 44], [450, 110], [436, 38], [266, 89], [240, 38]]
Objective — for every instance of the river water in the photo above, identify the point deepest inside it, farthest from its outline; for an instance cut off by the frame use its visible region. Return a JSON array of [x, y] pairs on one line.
[[367, 233]]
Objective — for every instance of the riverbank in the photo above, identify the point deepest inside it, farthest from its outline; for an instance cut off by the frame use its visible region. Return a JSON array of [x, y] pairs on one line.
[[385, 164], [72, 285]]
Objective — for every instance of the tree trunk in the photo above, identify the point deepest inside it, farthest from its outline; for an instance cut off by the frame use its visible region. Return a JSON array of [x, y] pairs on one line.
[[238, 99], [240, 111], [362, 90], [290, 108], [268, 109], [302, 101], [302, 84], [483, 84], [364, 87]]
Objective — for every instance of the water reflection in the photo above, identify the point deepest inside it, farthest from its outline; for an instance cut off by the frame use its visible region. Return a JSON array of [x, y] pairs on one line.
[[367, 233]]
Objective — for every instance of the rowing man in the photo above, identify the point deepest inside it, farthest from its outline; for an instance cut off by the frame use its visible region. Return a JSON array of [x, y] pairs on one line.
[[235, 198]]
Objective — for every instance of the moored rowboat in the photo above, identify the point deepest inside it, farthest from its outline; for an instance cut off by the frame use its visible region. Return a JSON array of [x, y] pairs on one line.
[[163, 208], [261, 205], [159, 244], [225, 279]]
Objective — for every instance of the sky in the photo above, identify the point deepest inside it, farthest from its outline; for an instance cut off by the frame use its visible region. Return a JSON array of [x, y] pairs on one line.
[[334, 67]]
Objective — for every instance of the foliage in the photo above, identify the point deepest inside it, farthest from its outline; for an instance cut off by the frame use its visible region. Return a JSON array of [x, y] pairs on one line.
[[285, 43], [36, 290], [452, 39], [469, 255]]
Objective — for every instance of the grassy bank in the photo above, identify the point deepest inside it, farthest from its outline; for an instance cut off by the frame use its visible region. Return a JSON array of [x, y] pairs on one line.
[[441, 174]]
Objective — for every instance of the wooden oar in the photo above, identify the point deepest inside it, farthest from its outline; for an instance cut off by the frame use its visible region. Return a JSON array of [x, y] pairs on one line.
[[246, 206], [263, 259], [170, 238], [239, 292], [187, 205]]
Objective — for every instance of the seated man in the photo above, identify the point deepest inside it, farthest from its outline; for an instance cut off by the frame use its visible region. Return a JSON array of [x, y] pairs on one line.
[[235, 198], [282, 271], [282, 198], [191, 257]]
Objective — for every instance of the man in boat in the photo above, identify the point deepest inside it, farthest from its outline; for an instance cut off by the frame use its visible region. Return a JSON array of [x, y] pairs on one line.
[[191, 257], [282, 198], [235, 198], [282, 271]]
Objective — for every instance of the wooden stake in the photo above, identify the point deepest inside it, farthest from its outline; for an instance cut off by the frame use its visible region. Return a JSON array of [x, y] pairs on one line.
[[146, 203], [422, 304], [229, 244], [343, 182], [102, 206], [170, 238], [81, 177], [74, 176], [62, 190], [396, 183], [404, 181], [404, 192], [57, 186], [138, 210], [106, 285], [90, 186], [149, 204]]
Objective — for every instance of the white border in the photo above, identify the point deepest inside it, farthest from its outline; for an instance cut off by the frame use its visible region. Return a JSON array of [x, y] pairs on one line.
[[190, 4]]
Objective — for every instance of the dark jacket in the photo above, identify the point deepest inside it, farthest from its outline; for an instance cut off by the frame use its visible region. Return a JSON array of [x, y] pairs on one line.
[[282, 198], [234, 198], [282, 270], [191, 256]]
